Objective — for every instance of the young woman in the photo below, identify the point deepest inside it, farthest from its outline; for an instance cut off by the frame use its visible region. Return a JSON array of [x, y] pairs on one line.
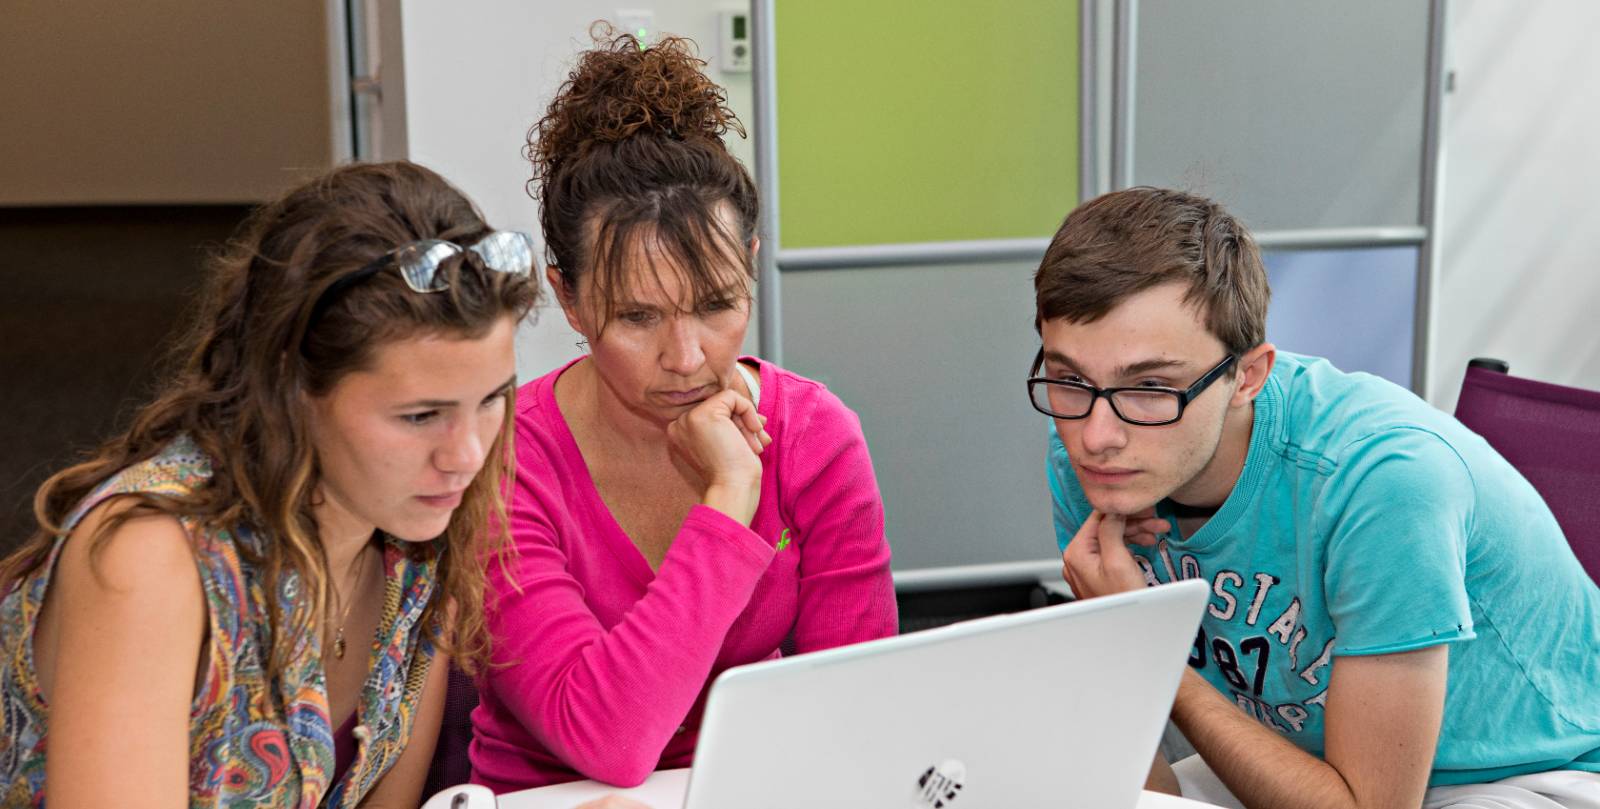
[[242, 599], [678, 509]]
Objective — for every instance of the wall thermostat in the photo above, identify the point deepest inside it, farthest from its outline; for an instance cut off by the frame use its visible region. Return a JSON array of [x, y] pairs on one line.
[[734, 54], [640, 22]]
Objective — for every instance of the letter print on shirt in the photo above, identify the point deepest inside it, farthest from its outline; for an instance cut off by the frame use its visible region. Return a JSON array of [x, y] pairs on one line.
[[1252, 645]]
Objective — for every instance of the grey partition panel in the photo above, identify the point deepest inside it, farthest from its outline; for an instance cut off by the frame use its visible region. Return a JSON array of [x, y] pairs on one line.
[[933, 359], [1352, 306], [1295, 114]]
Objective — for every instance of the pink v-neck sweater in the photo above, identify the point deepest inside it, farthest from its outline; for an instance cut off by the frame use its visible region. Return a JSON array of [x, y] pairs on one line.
[[604, 663]]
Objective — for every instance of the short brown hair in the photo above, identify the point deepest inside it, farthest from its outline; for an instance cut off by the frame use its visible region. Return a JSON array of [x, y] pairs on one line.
[[1125, 242]]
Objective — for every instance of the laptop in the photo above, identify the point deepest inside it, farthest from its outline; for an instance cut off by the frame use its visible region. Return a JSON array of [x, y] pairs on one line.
[[1061, 706]]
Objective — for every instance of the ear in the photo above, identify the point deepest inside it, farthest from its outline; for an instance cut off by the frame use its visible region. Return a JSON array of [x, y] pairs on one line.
[[1253, 368], [755, 247], [567, 297]]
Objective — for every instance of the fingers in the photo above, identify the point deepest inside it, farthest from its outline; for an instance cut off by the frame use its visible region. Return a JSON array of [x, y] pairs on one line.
[[1146, 532], [612, 802], [1151, 525], [759, 439], [1069, 573], [1109, 535], [1144, 528], [1098, 561], [1081, 554], [742, 412], [714, 439]]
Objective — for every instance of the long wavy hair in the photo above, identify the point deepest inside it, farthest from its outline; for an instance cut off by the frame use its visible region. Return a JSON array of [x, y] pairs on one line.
[[251, 357]]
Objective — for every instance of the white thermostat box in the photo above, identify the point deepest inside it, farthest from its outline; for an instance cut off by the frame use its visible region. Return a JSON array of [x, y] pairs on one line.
[[734, 52]]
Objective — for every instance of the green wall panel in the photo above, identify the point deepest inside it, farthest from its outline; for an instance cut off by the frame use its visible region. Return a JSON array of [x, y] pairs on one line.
[[937, 120]]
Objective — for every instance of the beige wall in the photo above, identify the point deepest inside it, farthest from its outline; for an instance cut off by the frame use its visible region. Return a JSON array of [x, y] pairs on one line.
[[1518, 276], [161, 101]]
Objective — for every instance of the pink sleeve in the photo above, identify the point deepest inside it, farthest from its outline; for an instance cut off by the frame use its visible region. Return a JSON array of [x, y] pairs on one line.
[[846, 590], [607, 702]]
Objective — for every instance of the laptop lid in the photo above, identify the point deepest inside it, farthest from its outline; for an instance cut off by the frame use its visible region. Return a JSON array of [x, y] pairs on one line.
[[1062, 705]]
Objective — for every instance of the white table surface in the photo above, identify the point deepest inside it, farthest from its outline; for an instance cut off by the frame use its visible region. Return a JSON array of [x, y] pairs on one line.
[[664, 790]]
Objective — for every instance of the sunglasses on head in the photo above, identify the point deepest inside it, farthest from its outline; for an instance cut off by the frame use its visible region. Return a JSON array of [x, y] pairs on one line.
[[507, 251]]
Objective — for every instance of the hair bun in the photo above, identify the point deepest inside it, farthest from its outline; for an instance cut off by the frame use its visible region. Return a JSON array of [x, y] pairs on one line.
[[621, 90]]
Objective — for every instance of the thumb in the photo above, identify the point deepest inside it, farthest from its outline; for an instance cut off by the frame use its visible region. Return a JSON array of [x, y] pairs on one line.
[[1113, 545]]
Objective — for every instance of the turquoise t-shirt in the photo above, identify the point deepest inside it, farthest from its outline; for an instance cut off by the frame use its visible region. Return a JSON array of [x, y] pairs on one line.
[[1367, 522]]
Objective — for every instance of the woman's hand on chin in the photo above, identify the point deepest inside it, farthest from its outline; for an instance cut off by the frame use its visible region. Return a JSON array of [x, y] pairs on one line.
[[721, 439]]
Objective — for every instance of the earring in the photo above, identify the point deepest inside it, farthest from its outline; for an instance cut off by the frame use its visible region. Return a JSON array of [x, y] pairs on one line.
[[583, 345]]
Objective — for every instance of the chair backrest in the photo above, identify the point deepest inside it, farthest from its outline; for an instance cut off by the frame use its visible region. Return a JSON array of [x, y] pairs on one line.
[[450, 765], [1551, 434]]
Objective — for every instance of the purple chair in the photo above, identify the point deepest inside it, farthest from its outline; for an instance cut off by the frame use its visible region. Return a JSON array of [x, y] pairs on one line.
[[1551, 434], [450, 765]]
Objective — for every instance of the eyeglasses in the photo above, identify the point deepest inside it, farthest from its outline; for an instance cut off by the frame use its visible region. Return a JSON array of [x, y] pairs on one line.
[[1144, 406], [507, 251]]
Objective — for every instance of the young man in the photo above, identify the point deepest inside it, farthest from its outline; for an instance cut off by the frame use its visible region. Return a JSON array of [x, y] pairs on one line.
[[1394, 609]]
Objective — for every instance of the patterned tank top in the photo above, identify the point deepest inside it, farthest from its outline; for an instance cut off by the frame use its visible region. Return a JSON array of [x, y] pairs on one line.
[[252, 743]]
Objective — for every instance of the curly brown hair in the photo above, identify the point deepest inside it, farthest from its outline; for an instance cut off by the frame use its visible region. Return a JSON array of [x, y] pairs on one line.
[[252, 354], [630, 147]]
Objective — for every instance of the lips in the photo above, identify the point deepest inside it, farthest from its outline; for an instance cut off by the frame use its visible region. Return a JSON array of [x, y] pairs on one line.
[[686, 396], [1105, 474], [446, 500]]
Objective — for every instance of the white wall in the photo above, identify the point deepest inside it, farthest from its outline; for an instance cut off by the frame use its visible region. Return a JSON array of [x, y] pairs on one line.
[[478, 75], [165, 101], [1519, 278]]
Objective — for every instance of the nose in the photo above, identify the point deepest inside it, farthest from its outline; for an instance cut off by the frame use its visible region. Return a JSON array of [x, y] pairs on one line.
[[1102, 430], [463, 450], [682, 354]]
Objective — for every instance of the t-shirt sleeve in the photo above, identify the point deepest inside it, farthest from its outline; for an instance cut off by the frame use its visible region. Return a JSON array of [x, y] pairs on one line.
[[1068, 507], [1398, 511]]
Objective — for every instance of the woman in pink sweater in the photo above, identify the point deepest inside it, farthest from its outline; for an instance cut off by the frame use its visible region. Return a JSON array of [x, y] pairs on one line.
[[678, 509]]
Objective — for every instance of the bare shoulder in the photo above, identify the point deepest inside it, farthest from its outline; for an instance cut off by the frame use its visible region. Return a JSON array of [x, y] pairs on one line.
[[144, 552], [135, 583]]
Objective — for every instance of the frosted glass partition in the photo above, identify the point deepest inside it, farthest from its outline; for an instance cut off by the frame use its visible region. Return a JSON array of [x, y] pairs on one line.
[[933, 359], [1352, 306], [1295, 114]]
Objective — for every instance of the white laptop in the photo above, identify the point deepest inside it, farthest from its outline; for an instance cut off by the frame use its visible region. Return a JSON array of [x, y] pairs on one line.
[[1061, 706]]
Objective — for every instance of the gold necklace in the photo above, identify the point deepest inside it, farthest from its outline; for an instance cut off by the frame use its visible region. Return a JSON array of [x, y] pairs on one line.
[[338, 632]]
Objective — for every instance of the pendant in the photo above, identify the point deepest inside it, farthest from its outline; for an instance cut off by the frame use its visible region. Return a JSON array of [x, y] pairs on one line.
[[338, 643]]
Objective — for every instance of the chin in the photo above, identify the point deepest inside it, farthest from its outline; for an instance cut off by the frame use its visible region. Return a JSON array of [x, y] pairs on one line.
[[418, 531], [1121, 501]]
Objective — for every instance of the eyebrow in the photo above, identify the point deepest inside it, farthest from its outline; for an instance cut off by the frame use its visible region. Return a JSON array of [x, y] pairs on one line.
[[439, 404], [724, 293], [1121, 372]]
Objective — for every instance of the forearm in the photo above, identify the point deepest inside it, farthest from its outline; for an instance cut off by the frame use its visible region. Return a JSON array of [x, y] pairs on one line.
[[1162, 778], [850, 602], [846, 588], [1260, 767]]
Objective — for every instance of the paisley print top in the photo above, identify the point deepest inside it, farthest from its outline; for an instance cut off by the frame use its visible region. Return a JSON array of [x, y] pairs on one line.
[[252, 742]]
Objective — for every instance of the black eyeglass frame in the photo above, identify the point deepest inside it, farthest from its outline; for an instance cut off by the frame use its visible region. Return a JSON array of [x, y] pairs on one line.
[[1183, 395], [421, 273]]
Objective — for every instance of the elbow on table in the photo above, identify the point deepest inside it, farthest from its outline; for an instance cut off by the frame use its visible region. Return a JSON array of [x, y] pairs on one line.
[[618, 768], [611, 758]]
